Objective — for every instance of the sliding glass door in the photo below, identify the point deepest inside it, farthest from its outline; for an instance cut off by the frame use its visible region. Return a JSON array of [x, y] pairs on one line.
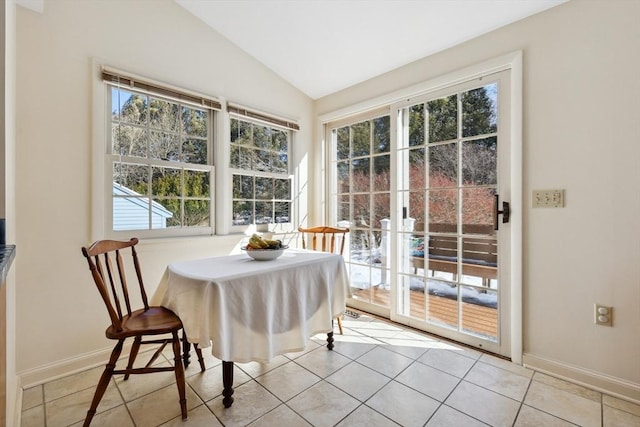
[[420, 185], [448, 161], [361, 195]]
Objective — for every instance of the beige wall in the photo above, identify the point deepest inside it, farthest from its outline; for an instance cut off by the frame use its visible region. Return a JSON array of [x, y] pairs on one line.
[[60, 316], [581, 132]]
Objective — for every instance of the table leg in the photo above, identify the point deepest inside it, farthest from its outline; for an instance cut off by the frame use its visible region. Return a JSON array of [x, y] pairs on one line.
[[186, 350], [330, 340], [227, 382]]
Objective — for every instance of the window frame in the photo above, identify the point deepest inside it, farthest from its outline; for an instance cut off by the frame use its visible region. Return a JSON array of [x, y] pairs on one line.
[[288, 127], [103, 159]]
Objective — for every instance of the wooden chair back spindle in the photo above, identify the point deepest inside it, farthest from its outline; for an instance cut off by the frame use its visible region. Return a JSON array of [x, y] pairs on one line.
[[328, 238], [108, 269]]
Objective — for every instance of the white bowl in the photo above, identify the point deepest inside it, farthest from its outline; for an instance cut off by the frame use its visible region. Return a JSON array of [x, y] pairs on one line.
[[264, 254]]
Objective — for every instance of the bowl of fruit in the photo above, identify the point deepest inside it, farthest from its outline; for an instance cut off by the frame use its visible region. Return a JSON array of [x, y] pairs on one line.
[[262, 249]]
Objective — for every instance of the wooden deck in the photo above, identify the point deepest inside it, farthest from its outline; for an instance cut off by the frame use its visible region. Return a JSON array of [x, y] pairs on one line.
[[476, 319]]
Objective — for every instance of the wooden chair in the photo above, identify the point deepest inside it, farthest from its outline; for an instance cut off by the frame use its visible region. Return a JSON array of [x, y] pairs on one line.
[[327, 235], [108, 267]]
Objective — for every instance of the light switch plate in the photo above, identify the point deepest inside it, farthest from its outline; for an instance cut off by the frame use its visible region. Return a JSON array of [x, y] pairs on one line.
[[548, 198]]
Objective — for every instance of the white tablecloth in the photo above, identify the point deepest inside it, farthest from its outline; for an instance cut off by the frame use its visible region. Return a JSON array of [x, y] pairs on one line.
[[251, 310]]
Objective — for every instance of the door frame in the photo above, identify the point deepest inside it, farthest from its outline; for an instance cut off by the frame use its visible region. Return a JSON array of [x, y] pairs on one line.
[[514, 62]]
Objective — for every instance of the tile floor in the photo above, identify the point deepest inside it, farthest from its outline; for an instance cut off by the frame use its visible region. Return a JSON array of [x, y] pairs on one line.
[[379, 374]]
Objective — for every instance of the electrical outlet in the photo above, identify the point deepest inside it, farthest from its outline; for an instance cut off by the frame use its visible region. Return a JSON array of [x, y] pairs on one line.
[[548, 198], [603, 315]]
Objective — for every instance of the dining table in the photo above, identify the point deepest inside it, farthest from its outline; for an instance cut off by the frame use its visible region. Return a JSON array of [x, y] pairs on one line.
[[247, 310]]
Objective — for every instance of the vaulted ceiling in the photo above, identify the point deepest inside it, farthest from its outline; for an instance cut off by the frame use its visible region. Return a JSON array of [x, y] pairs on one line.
[[323, 46]]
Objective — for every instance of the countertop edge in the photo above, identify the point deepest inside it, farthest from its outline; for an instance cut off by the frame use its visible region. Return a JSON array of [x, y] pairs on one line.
[[7, 255]]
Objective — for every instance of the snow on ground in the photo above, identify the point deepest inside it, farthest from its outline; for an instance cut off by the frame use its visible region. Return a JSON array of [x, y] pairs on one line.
[[364, 276]]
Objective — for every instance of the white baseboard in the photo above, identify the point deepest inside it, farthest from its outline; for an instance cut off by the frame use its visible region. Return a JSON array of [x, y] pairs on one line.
[[62, 368], [612, 386]]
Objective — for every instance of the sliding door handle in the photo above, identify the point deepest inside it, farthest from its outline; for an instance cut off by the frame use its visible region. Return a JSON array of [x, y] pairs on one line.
[[505, 212]]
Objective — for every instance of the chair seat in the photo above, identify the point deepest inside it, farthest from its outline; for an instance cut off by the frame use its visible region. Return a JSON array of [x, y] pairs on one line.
[[154, 321]]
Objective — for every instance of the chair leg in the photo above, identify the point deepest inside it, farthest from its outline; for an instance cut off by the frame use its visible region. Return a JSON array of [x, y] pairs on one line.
[[179, 371], [132, 356], [340, 324], [186, 348], [200, 358], [104, 382]]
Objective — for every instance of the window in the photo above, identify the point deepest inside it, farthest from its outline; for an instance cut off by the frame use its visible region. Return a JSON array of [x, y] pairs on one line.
[[361, 194], [159, 159], [259, 162]]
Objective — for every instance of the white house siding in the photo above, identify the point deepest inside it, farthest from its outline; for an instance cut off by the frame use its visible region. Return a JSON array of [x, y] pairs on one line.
[[132, 213]]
